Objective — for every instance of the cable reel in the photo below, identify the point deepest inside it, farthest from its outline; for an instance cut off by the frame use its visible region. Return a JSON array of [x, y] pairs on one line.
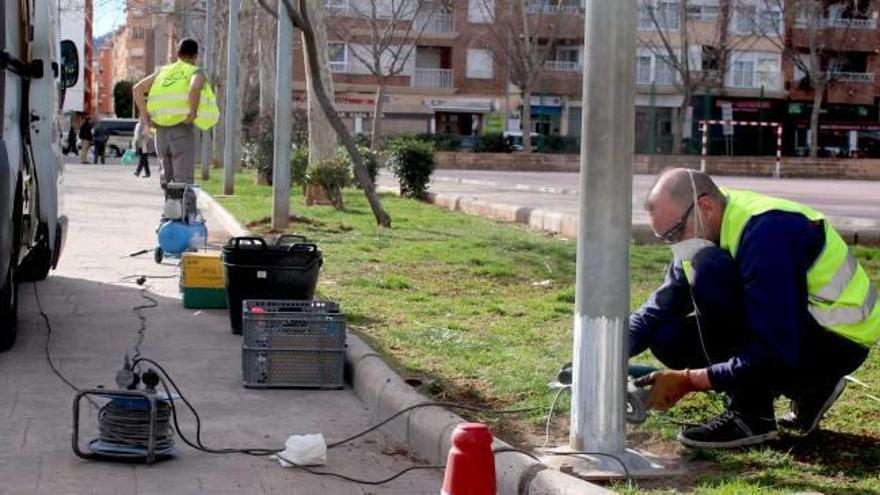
[[134, 425]]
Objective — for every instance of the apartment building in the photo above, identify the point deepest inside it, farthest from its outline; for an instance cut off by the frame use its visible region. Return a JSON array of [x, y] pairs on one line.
[[454, 81], [703, 60], [104, 78], [141, 44], [846, 41]]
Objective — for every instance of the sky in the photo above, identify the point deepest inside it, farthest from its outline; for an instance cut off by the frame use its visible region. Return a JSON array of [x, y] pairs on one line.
[[108, 15]]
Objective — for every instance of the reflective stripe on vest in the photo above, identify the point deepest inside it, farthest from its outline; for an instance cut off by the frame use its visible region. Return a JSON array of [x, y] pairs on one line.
[[841, 297], [168, 100]]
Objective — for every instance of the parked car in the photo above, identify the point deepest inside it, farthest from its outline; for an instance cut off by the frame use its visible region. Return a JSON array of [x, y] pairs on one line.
[[120, 131], [516, 140]]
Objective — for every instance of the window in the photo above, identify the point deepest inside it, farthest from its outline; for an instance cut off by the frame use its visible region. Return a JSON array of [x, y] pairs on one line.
[[665, 12], [769, 22], [768, 73], [479, 64], [743, 74], [568, 54], [744, 19], [137, 33], [481, 11], [643, 69], [705, 10], [663, 71], [338, 56]]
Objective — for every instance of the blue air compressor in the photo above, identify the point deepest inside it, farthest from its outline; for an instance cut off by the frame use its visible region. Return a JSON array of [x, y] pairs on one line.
[[182, 227]]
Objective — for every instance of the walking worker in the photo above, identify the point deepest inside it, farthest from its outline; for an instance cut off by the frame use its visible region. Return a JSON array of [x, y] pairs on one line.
[[180, 100], [763, 298]]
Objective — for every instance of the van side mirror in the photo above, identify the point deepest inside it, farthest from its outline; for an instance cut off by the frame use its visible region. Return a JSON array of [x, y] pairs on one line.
[[69, 64]]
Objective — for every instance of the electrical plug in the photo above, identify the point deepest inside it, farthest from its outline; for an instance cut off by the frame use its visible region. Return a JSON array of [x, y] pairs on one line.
[[126, 378], [150, 379]]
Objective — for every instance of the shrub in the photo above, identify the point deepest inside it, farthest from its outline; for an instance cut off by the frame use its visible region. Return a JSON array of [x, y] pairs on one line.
[[258, 154], [412, 162], [447, 142], [332, 174], [299, 164], [561, 144], [492, 143], [371, 161], [363, 139]]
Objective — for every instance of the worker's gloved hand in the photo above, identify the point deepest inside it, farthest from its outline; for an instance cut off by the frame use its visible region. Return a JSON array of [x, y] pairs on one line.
[[669, 386]]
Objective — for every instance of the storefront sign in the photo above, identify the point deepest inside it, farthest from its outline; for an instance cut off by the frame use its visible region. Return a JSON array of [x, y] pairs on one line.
[[493, 123]]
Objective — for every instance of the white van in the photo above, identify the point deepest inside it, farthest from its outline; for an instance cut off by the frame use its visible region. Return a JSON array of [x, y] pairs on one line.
[[34, 68]]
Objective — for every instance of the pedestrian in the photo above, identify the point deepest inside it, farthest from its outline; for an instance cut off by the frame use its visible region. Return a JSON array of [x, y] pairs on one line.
[[140, 143], [100, 136], [180, 99], [763, 298], [85, 138], [70, 147]]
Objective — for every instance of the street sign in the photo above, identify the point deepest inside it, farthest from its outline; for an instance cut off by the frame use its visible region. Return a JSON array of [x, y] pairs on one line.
[[727, 117]]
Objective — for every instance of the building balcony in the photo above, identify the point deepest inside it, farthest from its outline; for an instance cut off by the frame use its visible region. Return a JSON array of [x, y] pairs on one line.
[[839, 23], [770, 81], [432, 78], [549, 7], [562, 66], [858, 35], [436, 23], [854, 77]]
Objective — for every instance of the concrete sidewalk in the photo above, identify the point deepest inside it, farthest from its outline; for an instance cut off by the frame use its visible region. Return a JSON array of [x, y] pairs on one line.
[[113, 214], [549, 200]]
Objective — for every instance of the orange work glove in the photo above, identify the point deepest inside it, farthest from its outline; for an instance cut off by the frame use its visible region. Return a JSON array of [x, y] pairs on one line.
[[669, 386]]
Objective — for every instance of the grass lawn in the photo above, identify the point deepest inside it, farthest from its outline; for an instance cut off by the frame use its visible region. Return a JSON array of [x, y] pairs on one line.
[[481, 312]]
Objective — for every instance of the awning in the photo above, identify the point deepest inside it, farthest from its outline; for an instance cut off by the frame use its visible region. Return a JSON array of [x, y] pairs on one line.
[[458, 105], [666, 101], [546, 110]]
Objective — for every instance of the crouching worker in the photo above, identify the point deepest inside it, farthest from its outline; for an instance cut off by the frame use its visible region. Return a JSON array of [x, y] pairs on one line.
[[763, 298]]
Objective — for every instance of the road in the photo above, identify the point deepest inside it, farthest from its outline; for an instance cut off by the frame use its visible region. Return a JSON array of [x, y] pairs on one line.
[[90, 303], [846, 202]]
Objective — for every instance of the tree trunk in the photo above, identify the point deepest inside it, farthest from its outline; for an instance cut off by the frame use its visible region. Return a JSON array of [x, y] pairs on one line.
[[818, 93], [218, 78], [376, 143], [314, 70], [526, 120], [322, 138], [266, 50]]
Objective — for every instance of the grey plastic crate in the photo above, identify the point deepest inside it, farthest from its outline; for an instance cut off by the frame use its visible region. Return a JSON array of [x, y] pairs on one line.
[[293, 344], [275, 368]]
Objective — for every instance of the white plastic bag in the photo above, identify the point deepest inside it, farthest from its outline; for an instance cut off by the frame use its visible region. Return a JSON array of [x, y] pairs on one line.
[[304, 450]]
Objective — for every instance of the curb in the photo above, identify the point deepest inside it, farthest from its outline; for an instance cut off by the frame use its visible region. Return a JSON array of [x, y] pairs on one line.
[[426, 431], [561, 223]]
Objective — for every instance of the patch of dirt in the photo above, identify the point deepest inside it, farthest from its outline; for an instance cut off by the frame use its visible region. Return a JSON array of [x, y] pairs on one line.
[[293, 218]]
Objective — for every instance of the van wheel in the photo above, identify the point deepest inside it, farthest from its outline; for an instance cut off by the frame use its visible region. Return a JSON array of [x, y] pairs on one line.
[[8, 310], [36, 265]]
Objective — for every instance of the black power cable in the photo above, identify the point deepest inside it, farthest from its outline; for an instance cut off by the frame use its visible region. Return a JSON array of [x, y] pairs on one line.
[[128, 430]]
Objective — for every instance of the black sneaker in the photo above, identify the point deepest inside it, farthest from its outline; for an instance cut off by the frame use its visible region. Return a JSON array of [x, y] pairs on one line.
[[729, 429], [808, 410]]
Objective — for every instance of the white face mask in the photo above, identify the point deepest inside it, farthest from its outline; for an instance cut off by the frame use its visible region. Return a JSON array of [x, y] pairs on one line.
[[686, 250]]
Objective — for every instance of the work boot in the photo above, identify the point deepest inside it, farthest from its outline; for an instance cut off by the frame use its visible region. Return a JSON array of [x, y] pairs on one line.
[[807, 410], [729, 429]]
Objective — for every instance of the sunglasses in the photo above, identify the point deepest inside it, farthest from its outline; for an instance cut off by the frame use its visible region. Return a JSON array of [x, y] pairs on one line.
[[674, 233]]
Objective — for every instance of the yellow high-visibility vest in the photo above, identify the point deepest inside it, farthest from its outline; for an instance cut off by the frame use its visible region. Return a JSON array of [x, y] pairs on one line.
[[841, 297], [168, 101]]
